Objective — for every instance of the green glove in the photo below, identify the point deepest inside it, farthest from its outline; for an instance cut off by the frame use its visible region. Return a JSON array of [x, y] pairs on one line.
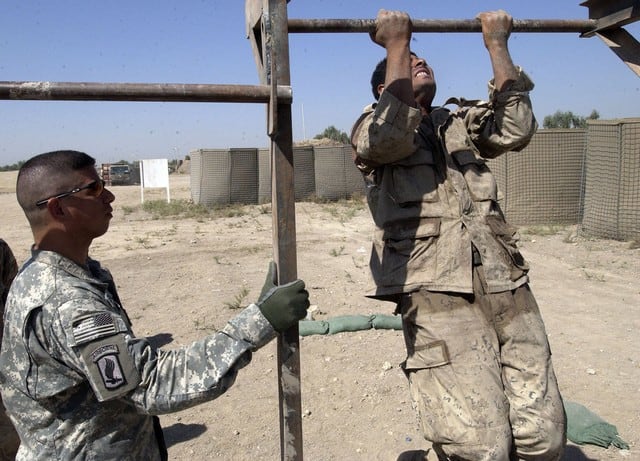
[[283, 305], [270, 281]]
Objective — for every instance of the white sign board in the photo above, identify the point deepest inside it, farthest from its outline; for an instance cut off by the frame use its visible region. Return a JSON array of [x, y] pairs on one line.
[[154, 173]]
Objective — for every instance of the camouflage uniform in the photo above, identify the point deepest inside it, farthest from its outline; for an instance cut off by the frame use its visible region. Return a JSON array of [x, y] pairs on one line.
[[77, 382], [478, 360], [9, 440]]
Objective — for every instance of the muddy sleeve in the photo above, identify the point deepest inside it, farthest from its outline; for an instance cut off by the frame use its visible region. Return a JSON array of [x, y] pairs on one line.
[[507, 122], [387, 133]]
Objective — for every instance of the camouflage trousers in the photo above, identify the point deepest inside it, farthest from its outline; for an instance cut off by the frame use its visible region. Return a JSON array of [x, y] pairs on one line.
[[480, 374], [9, 439]]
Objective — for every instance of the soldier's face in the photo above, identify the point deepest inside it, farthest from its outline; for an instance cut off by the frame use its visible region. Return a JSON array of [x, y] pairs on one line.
[[423, 78], [89, 210]]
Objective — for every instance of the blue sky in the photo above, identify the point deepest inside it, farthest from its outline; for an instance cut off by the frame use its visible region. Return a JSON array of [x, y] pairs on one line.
[[204, 41]]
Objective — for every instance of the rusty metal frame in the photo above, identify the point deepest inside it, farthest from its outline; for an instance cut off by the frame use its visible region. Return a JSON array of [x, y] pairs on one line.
[[158, 92], [606, 18], [610, 16], [440, 25], [266, 26]]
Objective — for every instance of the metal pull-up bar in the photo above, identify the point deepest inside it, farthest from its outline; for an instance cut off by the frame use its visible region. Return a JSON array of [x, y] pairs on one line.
[[606, 22], [159, 92], [441, 25]]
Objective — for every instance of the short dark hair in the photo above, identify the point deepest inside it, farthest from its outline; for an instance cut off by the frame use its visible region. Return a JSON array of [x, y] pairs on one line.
[[45, 175], [377, 78]]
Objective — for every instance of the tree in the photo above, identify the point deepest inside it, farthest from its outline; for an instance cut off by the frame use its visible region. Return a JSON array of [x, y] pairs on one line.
[[12, 167], [332, 132], [568, 120]]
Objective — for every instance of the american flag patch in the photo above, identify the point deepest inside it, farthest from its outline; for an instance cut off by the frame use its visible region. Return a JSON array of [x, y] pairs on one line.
[[94, 327]]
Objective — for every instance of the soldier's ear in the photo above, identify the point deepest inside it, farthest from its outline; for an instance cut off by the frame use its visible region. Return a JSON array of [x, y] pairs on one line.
[[54, 208], [380, 89]]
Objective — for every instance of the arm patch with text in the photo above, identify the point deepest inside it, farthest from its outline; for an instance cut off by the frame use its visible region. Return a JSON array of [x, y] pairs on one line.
[[111, 370]]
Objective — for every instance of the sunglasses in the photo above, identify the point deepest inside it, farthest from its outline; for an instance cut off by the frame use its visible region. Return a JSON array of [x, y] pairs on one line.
[[95, 188]]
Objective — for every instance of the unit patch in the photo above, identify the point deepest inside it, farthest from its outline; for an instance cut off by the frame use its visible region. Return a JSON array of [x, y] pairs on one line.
[[106, 359], [101, 340]]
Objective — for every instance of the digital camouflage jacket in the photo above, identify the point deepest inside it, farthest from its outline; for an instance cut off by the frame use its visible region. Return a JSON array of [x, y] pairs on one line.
[[79, 385]]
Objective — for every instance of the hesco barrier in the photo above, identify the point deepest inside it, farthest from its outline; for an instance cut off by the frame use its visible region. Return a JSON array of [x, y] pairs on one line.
[[221, 176], [542, 184], [612, 186], [589, 177], [264, 176], [304, 175], [303, 171], [336, 176]]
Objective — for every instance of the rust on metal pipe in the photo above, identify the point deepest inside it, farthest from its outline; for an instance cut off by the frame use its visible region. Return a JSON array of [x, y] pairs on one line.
[[441, 25], [159, 92]]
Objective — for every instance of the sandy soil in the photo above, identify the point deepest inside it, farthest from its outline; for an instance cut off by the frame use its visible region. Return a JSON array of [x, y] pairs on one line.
[[178, 277]]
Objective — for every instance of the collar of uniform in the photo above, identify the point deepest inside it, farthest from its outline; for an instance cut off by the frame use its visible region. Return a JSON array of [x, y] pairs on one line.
[[57, 260]]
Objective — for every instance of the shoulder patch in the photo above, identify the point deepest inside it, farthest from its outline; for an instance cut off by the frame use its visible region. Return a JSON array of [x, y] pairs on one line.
[[106, 359], [111, 370]]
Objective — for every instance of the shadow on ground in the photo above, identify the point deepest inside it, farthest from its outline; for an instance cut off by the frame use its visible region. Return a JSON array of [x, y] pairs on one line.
[[574, 453], [161, 339], [177, 433]]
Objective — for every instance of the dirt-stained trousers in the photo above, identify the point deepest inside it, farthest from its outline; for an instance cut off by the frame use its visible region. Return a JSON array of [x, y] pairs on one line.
[[480, 373]]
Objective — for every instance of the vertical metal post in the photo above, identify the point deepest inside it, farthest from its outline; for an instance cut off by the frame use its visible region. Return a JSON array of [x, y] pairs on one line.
[[275, 63], [284, 233]]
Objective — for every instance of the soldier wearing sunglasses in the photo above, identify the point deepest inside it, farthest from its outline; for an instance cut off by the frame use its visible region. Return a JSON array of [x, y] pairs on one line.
[[76, 381]]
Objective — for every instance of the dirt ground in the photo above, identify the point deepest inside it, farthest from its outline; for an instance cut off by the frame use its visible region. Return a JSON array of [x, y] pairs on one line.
[[178, 279]]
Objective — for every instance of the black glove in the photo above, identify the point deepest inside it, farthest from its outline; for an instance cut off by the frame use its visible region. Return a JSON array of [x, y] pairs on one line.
[[283, 305]]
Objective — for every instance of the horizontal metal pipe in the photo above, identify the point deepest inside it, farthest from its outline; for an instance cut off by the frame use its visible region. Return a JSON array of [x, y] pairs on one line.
[[158, 92], [441, 25]]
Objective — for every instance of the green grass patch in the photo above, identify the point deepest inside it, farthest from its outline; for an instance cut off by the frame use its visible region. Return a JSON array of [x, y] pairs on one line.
[[127, 209], [238, 299], [543, 230], [343, 210], [159, 209]]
